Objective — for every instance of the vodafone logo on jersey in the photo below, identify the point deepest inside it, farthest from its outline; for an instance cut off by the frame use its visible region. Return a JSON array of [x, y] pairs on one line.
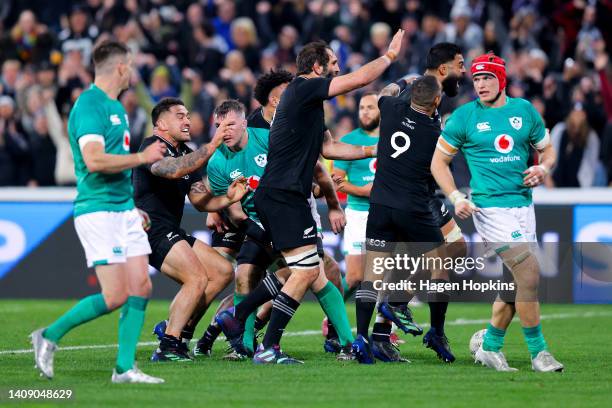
[[372, 165], [126, 141], [504, 143], [253, 182]]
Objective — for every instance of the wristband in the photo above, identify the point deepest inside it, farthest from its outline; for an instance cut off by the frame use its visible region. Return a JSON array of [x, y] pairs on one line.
[[141, 158], [392, 55], [369, 151], [457, 197]]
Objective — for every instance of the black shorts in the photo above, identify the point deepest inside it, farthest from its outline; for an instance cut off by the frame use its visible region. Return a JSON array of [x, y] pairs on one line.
[[387, 226], [440, 211], [162, 239], [287, 217], [231, 239], [255, 253]]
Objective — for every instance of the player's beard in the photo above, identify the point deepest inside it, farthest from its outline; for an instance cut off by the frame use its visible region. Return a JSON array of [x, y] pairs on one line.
[[373, 124], [450, 85]]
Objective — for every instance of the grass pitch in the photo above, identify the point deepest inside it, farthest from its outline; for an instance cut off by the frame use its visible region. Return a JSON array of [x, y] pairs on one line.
[[578, 335]]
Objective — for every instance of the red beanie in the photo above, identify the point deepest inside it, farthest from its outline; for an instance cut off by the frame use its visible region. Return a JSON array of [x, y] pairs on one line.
[[490, 64]]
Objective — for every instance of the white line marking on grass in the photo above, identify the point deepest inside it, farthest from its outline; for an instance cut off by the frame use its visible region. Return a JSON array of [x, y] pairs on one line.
[[456, 322]]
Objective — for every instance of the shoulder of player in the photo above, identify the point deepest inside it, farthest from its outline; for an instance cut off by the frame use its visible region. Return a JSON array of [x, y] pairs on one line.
[[521, 103], [351, 137], [148, 141]]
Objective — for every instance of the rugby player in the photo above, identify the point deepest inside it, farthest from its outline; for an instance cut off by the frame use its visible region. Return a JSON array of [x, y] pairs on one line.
[[244, 153], [268, 90], [297, 138], [400, 199], [160, 190], [106, 220], [495, 133], [445, 62]]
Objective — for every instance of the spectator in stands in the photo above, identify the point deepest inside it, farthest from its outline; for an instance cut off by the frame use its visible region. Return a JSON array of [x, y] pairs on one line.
[[577, 147], [80, 34], [28, 41], [10, 74], [244, 37], [226, 13], [461, 30], [137, 118], [15, 154], [285, 48]]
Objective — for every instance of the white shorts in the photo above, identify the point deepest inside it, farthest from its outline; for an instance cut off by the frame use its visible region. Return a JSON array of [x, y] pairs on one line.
[[505, 226], [354, 232], [111, 237]]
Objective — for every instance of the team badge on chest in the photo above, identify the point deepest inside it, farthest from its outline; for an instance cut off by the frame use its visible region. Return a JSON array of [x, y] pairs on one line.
[[261, 160], [516, 122]]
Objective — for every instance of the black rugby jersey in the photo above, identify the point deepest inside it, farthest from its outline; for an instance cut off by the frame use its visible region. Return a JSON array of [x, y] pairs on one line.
[[407, 142], [296, 136], [163, 199]]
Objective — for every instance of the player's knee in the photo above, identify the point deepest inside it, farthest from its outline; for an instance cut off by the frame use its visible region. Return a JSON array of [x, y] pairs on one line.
[[115, 299], [226, 271], [144, 289], [198, 280], [308, 275]]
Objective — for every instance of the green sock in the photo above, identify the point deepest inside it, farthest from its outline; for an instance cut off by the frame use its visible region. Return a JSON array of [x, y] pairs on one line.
[[87, 309], [333, 305], [249, 325], [535, 340], [130, 326], [493, 339], [348, 292]]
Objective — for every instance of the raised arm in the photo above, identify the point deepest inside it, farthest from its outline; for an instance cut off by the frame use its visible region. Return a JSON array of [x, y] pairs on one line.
[[177, 167], [334, 150], [369, 72]]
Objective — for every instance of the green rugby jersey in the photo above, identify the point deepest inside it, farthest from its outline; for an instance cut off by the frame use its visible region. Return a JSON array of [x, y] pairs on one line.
[[95, 116], [359, 172], [495, 143], [225, 166]]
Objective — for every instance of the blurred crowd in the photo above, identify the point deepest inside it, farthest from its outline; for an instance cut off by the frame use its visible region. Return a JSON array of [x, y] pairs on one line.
[[208, 50]]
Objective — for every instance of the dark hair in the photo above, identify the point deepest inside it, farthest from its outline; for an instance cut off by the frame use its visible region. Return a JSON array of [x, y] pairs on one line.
[[312, 52], [106, 50], [164, 106], [441, 53], [368, 93], [424, 90], [227, 106], [269, 81]]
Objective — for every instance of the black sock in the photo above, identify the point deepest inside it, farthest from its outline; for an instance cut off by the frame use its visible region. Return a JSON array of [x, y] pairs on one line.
[[438, 303], [187, 333], [169, 341], [283, 308], [211, 333], [381, 332], [331, 330], [260, 323], [365, 302], [266, 290]]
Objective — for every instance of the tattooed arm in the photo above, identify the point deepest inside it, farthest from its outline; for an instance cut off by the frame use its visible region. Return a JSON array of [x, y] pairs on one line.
[[177, 167], [203, 199], [392, 89]]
